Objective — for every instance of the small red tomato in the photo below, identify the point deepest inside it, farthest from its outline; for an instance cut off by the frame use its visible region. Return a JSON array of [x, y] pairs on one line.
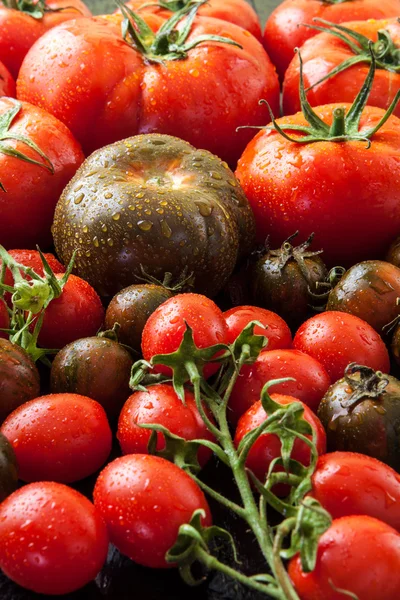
[[275, 328], [163, 332], [52, 539], [144, 500], [359, 555], [347, 483], [160, 404], [7, 83], [4, 319], [59, 437], [311, 380], [268, 446], [337, 339]]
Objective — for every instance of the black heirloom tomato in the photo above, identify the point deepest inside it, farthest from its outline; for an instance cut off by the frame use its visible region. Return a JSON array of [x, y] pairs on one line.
[[8, 468]]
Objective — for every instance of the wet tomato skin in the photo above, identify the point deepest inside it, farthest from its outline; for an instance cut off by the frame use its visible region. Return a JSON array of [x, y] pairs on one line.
[[4, 319], [7, 83], [275, 328]]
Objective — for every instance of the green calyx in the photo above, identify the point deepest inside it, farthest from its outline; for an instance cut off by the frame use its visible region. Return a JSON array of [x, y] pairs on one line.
[[168, 43], [172, 5], [34, 8], [364, 383], [6, 120]]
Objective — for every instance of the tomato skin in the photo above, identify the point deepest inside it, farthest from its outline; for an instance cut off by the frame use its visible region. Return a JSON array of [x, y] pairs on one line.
[[58, 437], [344, 550], [7, 83], [311, 380], [324, 52], [52, 539], [284, 31], [4, 319], [163, 332], [275, 328], [144, 500], [336, 339], [327, 199]]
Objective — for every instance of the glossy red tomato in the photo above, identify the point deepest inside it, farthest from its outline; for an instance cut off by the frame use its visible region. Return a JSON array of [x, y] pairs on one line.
[[4, 319], [268, 446], [59, 437], [52, 539], [284, 30], [275, 328], [144, 500], [7, 83], [358, 554], [336, 339], [165, 327], [347, 483], [311, 380], [105, 90], [160, 404]]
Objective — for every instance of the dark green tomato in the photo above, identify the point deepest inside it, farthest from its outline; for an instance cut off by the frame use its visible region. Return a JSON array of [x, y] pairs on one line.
[[8, 468], [369, 291], [96, 367], [19, 378], [361, 413], [393, 255], [131, 308], [153, 201]]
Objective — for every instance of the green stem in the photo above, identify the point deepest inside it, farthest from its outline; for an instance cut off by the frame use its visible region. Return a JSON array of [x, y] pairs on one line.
[[235, 508], [278, 566]]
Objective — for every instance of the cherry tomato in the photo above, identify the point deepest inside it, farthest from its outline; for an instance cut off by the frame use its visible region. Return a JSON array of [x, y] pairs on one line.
[[7, 83], [144, 500], [59, 437], [160, 404], [311, 380], [336, 339], [52, 539], [4, 319], [275, 328], [358, 554]]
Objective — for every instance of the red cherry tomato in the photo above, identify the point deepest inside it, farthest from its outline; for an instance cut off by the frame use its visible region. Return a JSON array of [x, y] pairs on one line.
[[59, 437], [165, 327], [7, 83], [337, 339], [275, 328], [358, 554], [52, 539], [144, 500], [311, 380], [160, 404], [4, 319]]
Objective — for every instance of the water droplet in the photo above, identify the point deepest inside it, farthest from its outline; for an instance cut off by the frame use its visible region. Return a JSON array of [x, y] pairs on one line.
[[110, 242], [85, 229], [145, 225], [104, 228], [166, 229], [216, 175], [96, 241], [108, 195], [205, 209], [140, 195], [79, 198], [116, 216]]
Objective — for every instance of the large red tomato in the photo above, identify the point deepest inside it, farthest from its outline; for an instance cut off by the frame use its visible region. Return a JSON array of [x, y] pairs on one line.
[[7, 83]]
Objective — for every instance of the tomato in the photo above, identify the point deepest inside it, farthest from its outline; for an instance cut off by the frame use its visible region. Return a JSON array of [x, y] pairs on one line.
[[144, 500], [4, 319], [347, 483], [59, 437], [311, 380], [163, 332], [274, 327], [358, 554], [8, 469], [52, 539], [7, 83], [284, 30], [160, 404], [105, 90], [31, 191], [268, 446], [336, 339], [19, 30], [324, 52]]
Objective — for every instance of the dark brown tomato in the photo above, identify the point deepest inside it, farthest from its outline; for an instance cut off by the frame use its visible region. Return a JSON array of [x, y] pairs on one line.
[[153, 201], [393, 254], [131, 308], [8, 468], [368, 290], [19, 378], [96, 367], [395, 345]]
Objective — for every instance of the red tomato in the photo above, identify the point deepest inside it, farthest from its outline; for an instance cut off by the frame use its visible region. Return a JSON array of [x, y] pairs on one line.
[[4, 319], [7, 83], [27, 206], [144, 500], [357, 554], [163, 332], [106, 90], [284, 30], [52, 539], [77, 313], [160, 404], [324, 52], [337, 339], [304, 187], [19, 31], [347, 483], [59, 437], [311, 380], [275, 328], [268, 446]]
